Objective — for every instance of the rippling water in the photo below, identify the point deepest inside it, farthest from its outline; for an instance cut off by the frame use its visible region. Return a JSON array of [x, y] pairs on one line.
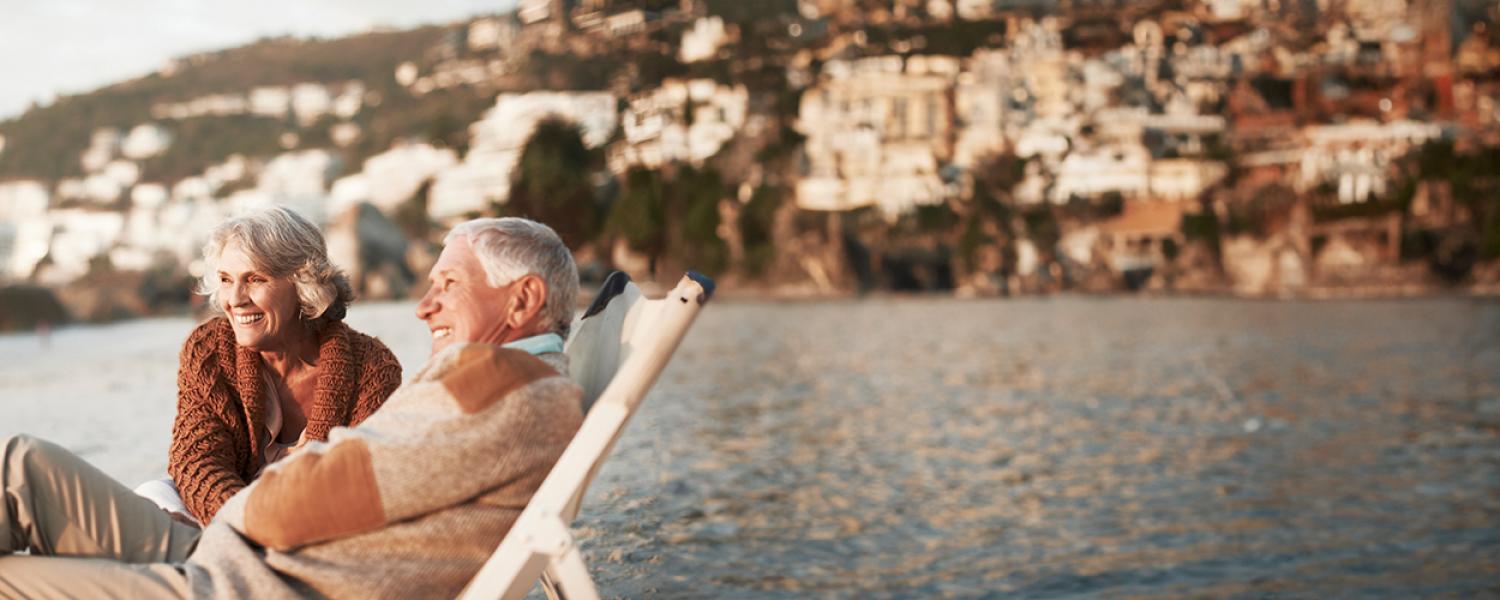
[[936, 447]]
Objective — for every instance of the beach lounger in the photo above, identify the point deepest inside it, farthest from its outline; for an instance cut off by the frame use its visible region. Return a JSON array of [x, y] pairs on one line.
[[616, 351]]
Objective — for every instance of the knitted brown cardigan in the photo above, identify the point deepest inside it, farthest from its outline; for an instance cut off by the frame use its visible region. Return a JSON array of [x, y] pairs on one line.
[[221, 406]]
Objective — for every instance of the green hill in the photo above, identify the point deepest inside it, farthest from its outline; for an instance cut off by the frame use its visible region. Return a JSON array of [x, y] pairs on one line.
[[45, 142]]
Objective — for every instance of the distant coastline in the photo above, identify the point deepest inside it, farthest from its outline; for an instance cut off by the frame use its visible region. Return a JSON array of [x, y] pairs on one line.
[[25, 308]]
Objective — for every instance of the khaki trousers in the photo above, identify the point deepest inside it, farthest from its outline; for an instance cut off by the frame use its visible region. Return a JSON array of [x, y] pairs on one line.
[[88, 536]]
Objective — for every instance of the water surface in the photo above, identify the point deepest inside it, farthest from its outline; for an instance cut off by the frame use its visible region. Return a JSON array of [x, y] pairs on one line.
[[936, 447]]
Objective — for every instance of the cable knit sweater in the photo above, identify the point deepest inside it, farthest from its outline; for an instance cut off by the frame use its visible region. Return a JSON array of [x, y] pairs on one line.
[[216, 441], [410, 503]]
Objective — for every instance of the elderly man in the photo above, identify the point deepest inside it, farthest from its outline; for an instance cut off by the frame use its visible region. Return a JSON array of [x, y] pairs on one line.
[[407, 504]]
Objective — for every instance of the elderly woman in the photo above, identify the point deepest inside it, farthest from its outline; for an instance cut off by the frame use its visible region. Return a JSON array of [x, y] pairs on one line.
[[277, 368]]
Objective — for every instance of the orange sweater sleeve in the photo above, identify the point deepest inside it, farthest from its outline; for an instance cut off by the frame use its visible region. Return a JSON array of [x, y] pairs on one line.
[[204, 457]]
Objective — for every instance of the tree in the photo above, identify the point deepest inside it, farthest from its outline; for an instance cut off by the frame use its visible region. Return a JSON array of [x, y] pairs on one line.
[[756, 223], [695, 198], [640, 214], [552, 183]]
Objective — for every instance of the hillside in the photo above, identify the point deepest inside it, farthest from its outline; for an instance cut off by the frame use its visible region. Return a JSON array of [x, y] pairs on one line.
[[45, 141]]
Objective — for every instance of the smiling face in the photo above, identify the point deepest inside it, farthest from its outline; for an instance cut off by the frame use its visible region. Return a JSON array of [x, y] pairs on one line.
[[263, 310], [460, 305]]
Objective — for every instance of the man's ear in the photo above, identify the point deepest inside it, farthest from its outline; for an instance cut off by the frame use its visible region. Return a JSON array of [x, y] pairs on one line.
[[528, 295]]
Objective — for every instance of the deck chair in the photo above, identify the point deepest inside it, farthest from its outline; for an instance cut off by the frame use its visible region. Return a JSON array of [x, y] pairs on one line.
[[618, 348]]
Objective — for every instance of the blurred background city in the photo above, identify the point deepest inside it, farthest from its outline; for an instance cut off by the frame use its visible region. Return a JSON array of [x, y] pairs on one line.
[[811, 147], [1089, 395]]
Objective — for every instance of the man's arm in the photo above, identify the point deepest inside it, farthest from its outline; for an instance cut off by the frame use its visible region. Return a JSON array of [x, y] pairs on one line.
[[498, 419]]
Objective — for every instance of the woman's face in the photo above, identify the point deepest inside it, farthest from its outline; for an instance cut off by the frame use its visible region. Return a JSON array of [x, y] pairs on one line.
[[263, 310]]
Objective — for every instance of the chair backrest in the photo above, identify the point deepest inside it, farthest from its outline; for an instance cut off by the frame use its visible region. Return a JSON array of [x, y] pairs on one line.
[[620, 347], [599, 342]]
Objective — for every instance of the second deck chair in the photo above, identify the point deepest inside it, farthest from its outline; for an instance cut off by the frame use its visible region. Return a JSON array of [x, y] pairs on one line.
[[617, 350]]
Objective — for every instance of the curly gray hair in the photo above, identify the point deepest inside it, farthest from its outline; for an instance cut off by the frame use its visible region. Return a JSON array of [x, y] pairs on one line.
[[283, 244], [511, 247]]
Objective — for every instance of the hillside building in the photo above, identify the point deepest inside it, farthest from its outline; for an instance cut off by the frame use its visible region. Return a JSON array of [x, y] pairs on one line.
[[497, 141], [681, 121]]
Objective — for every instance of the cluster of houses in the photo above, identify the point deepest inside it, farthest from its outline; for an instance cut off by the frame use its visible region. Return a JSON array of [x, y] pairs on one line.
[[305, 102], [1157, 119], [56, 233]]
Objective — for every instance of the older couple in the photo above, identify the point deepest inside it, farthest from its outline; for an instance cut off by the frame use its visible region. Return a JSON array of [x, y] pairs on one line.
[[407, 503]]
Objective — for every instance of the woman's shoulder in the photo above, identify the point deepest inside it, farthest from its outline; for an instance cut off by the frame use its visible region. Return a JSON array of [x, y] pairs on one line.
[[213, 328], [207, 339], [379, 372], [368, 346]]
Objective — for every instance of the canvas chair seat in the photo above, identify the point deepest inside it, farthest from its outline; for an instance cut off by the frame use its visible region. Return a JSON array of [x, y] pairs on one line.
[[616, 351]]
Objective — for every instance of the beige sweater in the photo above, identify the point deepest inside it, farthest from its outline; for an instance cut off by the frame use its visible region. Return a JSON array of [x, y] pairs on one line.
[[409, 503]]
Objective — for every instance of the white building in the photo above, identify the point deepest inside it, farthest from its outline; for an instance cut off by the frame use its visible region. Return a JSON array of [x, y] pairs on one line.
[[103, 146], [343, 134], [1091, 173], [270, 101], [100, 188], [406, 73], [78, 237], [1399, 136], [703, 41], [391, 177], [657, 127], [498, 138], [1232, 10], [1355, 156], [192, 188], [123, 172], [25, 227], [1375, 19], [1047, 139], [491, 33], [1183, 179], [234, 168], [625, 23], [349, 100], [310, 101], [1033, 186], [298, 180], [980, 98], [973, 10], [1043, 70], [211, 105], [1360, 180], [142, 222], [875, 137], [190, 222], [534, 11], [149, 195], [145, 141]]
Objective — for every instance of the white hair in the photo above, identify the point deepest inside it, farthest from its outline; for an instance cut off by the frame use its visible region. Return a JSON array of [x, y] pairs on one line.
[[282, 244], [511, 247]]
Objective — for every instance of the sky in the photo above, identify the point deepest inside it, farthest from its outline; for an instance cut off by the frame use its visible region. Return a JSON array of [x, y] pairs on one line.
[[51, 47]]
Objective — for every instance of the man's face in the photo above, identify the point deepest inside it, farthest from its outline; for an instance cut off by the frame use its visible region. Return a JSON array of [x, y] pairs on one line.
[[460, 305]]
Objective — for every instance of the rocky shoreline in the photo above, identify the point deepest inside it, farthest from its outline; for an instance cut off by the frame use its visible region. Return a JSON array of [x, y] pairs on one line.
[[122, 296]]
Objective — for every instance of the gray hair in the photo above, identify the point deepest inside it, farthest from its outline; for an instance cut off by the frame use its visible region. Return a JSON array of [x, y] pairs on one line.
[[511, 247], [283, 244]]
